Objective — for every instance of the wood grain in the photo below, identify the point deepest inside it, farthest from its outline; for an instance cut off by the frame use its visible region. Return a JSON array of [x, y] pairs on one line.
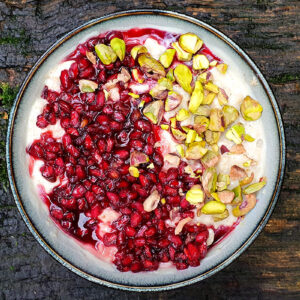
[[269, 32]]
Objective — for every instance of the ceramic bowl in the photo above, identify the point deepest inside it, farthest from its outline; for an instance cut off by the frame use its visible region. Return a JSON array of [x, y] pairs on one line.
[[65, 249]]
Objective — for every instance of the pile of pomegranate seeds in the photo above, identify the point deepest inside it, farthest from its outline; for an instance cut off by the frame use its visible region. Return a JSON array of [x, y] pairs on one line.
[[92, 162]]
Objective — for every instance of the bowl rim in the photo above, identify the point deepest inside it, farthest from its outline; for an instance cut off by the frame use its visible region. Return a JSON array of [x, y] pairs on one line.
[[253, 235]]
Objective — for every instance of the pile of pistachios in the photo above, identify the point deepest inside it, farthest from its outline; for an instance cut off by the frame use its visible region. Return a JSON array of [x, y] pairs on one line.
[[183, 64]]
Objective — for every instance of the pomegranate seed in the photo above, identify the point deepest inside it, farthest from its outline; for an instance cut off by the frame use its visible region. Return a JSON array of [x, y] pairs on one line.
[[135, 219]]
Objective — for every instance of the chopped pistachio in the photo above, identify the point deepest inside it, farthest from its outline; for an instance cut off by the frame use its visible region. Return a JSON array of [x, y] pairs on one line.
[[173, 100], [119, 47], [185, 129], [197, 97], [203, 121], [138, 50], [215, 147], [230, 114], [178, 134], [215, 196], [250, 204], [252, 188], [202, 77], [215, 123], [208, 98], [163, 201], [181, 54], [213, 207], [190, 42], [226, 196], [87, 86], [210, 159], [159, 92], [91, 57], [164, 126], [180, 150], [137, 76], [247, 180], [170, 75], [235, 133], [195, 195], [222, 216], [200, 61], [133, 171], [191, 136], [238, 198], [173, 122], [249, 138], [182, 115], [137, 158], [184, 77], [222, 68], [251, 109], [151, 201], [211, 87], [195, 151], [222, 97], [142, 103], [106, 54], [212, 137], [203, 110], [213, 63], [154, 111], [151, 166], [198, 138], [167, 57], [133, 95], [106, 94], [222, 182], [151, 66]]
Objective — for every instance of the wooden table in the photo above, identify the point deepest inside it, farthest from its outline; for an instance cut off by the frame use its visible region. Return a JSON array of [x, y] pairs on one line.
[[269, 31]]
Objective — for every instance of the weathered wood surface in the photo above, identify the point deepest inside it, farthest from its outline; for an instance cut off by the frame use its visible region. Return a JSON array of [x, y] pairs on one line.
[[269, 31]]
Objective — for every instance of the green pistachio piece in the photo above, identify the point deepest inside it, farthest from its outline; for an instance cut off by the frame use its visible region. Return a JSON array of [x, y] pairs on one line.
[[173, 122], [200, 61], [178, 134], [133, 171], [165, 82], [213, 208], [210, 159], [215, 123], [180, 150], [182, 115], [222, 68], [137, 75], [154, 111], [250, 204], [235, 133], [184, 77], [203, 110], [238, 198], [106, 54], [195, 195], [197, 97], [230, 114], [160, 89], [222, 216], [190, 42], [253, 188], [209, 180], [211, 87], [87, 86], [170, 75], [251, 109], [249, 138], [119, 47], [191, 136], [222, 97], [164, 127], [195, 151], [181, 54], [202, 77], [151, 66], [138, 50], [222, 182], [212, 137], [167, 57], [173, 101], [208, 98]]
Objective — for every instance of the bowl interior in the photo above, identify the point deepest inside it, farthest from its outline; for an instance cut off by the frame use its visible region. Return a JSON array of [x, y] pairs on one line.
[[66, 249]]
